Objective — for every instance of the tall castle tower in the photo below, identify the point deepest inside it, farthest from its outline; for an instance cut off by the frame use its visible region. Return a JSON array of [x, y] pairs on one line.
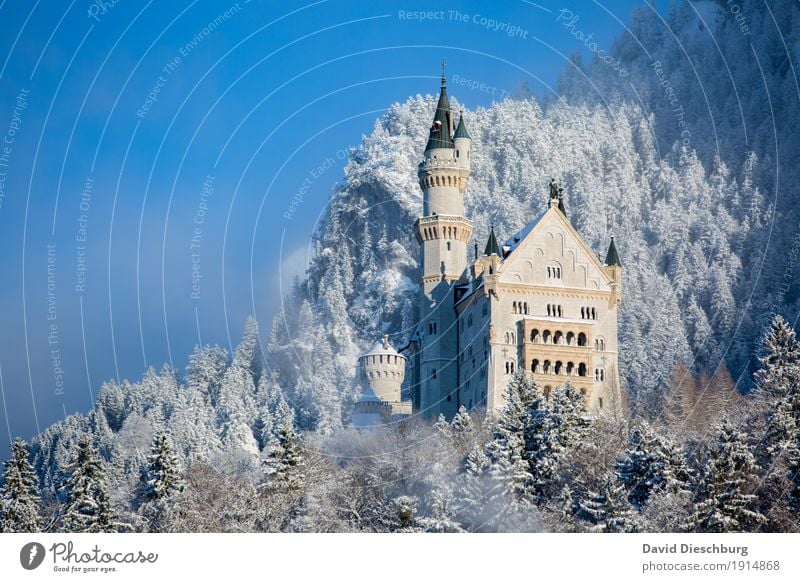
[[443, 233]]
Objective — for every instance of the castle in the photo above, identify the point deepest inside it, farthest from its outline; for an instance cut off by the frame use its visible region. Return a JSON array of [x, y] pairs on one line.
[[541, 302]]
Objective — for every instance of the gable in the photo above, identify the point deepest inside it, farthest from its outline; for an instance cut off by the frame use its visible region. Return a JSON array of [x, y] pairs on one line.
[[551, 252]]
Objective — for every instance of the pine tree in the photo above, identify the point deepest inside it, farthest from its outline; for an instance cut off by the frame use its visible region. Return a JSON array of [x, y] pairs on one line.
[[284, 466], [793, 474], [507, 448], [608, 509], [780, 364], [724, 504], [19, 495], [163, 476], [443, 510], [161, 481], [88, 508], [475, 489], [650, 464]]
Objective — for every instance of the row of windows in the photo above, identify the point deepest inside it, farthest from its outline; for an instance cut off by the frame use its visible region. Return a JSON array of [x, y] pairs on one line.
[[558, 338], [559, 368], [520, 307], [588, 313], [390, 359], [554, 272], [555, 311], [432, 328]]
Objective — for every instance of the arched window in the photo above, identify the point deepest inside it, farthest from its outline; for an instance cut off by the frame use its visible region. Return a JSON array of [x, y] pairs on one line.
[[535, 336], [535, 366], [546, 367], [582, 370], [559, 366], [514, 307], [557, 337], [582, 339], [570, 369], [594, 313], [546, 336], [570, 338]]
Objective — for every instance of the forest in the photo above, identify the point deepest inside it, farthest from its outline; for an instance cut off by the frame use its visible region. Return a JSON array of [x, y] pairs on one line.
[[705, 213]]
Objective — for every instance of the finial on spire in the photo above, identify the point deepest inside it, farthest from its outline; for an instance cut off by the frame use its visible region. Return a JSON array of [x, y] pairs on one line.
[[444, 79]]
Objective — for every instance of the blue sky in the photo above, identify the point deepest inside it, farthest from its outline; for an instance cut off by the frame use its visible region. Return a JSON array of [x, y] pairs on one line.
[[151, 149]]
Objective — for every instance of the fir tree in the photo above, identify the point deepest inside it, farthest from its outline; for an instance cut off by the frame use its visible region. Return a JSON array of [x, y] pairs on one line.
[[475, 489], [780, 364], [507, 449], [608, 509], [19, 495], [87, 508], [284, 466], [163, 476], [793, 474], [650, 464], [725, 505]]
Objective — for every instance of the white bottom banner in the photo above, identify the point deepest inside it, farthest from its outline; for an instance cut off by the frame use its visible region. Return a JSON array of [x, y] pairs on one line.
[[389, 557]]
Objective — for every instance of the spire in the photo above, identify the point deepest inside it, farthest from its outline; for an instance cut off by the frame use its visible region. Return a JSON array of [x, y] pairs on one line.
[[442, 121], [492, 248], [612, 257], [461, 130]]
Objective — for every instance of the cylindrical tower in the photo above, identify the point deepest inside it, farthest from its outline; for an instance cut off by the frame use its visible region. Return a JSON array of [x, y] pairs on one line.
[[383, 370], [443, 233]]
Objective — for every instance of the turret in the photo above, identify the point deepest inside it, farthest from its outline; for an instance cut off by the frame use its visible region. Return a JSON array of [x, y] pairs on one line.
[[462, 143], [383, 370], [613, 268]]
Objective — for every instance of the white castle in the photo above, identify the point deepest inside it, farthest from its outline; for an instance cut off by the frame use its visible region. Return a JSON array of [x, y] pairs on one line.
[[541, 302]]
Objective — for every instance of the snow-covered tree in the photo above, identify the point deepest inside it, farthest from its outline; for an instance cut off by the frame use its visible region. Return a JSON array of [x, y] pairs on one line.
[[608, 509], [87, 507], [162, 477], [284, 466], [19, 494], [506, 450], [780, 365], [793, 474], [725, 502], [651, 464], [475, 490]]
